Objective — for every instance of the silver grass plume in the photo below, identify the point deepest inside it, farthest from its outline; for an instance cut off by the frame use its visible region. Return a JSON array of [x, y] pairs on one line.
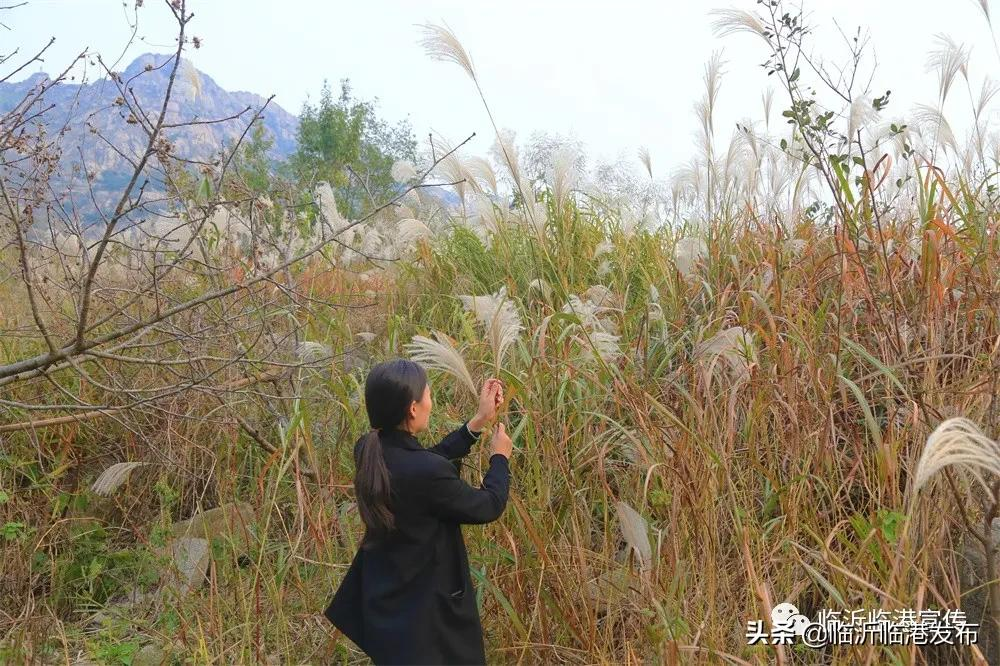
[[646, 160], [958, 441], [932, 117], [768, 99], [498, 315], [328, 205], [605, 344], [734, 21], [986, 95], [440, 43], [503, 148], [636, 533], [113, 477], [410, 230], [948, 59], [862, 113], [440, 354], [312, 352], [654, 306], [453, 169], [541, 287], [604, 247], [403, 171], [589, 314], [726, 350], [480, 169], [688, 253], [984, 5], [485, 213], [564, 175], [601, 296]]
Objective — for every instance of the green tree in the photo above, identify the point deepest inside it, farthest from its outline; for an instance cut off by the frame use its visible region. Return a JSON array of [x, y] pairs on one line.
[[339, 136]]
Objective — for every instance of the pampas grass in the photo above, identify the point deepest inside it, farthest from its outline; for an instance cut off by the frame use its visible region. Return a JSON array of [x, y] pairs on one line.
[[498, 315], [688, 253], [540, 287], [636, 533], [734, 21], [440, 43], [958, 442], [403, 171], [590, 314], [602, 296], [604, 344], [604, 247], [647, 161], [440, 354], [948, 60], [327, 203], [482, 172], [410, 230], [565, 177], [984, 6], [312, 352], [113, 477], [727, 350], [862, 113], [931, 121]]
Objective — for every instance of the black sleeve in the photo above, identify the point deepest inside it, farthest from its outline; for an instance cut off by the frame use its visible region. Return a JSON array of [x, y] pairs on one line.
[[456, 444], [452, 499]]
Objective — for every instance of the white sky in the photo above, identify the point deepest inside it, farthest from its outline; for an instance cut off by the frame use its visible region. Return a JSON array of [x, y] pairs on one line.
[[617, 75]]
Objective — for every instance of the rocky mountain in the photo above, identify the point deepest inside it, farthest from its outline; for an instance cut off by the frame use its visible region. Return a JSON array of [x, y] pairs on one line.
[[82, 108]]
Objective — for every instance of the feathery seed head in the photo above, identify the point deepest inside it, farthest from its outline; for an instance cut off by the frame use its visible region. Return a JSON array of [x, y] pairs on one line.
[[113, 477], [958, 441], [440, 354], [440, 43], [403, 171]]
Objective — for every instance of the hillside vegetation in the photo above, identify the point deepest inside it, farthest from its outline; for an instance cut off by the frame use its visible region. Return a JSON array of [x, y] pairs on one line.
[[719, 389]]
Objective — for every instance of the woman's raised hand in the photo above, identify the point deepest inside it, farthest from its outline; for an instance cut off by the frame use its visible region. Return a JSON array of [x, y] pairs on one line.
[[490, 398], [500, 442]]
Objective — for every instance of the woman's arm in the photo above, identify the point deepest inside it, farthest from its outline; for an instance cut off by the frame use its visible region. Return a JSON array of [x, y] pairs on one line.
[[452, 499], [458, 442]]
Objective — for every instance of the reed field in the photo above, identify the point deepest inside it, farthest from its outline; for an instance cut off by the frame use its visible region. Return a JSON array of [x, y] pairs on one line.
[[771, 377]]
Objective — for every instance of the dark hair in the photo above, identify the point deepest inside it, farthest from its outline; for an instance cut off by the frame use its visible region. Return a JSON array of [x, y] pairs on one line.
[[391, 387]]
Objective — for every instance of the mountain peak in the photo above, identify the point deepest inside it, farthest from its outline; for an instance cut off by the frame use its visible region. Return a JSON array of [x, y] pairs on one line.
[[203, 118], [151, 60]]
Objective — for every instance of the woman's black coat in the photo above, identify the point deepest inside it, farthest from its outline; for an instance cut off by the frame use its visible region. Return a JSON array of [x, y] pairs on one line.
[[410, 599]]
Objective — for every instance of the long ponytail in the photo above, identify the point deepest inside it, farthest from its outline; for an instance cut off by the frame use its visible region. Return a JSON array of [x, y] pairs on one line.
[[390, 389], [371, 485]]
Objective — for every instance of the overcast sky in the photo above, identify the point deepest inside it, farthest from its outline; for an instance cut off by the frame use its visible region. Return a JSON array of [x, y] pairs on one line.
[[616, 75]]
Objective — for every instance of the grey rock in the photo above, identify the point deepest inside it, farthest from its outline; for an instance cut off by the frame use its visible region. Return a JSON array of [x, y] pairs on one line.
[[150, 655], [234, 521], [190, 558]]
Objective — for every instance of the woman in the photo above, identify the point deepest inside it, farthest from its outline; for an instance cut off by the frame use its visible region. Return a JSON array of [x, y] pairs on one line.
[[407, 597]]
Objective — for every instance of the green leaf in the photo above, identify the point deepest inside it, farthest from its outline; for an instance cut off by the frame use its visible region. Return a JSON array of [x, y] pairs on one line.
[[864, 353], [870, 422], [204, 190], [842, 178], [827, 585], [795, 76], [504, 602]]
